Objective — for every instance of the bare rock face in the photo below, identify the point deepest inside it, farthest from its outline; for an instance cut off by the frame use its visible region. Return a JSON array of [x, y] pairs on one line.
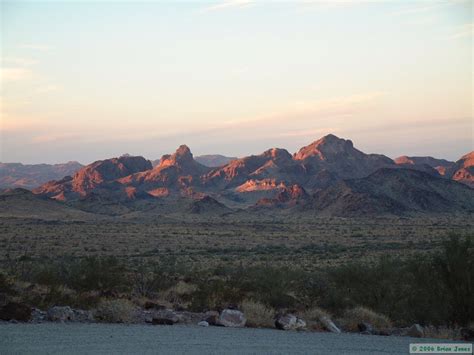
[[16, 311], [340, 158], [232, 318], [289, 322], [463, 170], [92, 176]]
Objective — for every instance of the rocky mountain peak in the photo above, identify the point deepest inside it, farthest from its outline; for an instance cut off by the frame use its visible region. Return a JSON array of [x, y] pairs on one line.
[[326, 147], [181, 156]]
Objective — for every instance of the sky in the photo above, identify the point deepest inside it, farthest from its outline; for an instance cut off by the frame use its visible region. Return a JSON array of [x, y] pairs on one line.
[[92, 80]]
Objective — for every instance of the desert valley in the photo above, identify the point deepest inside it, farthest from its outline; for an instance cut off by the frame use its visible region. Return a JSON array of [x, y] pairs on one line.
[[178, 233]]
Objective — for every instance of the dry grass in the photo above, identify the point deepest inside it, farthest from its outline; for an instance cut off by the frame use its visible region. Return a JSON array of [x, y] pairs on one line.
[[353, 317], [116, 311], [442, 333], [177, 293], [313, 316], [258, 315]]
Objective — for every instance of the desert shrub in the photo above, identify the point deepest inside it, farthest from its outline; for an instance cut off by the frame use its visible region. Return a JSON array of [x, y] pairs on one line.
[[215, 294], [313, 317], [116, 311], [354, 316], [6, 284], [257, 314], [180, 293], [146, 281], [93, 273], [275, 287], [455, 266], [380, 286]]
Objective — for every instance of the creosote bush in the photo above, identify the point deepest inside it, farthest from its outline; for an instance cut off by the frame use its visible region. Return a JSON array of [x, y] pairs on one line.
[[116, 311], [258, 315], [431, 289]]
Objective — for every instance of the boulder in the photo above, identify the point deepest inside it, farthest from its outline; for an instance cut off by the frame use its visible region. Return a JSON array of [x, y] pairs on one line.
[[203, 323], [15, 311], [289, 322], [165, 317], [416, 331], [329, 325], [60, 314], [232, 318]]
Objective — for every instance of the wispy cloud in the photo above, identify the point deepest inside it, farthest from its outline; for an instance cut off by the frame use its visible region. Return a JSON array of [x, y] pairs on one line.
[[229, 4]]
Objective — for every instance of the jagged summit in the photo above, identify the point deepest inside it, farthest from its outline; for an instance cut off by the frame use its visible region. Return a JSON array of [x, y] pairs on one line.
[[182, 155], [326, 148]]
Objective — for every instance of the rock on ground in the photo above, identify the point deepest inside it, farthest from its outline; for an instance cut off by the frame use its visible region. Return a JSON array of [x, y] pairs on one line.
[[203, 323], [289, 322], [329, 325], [60, 314], [165, 317], [232, 318]]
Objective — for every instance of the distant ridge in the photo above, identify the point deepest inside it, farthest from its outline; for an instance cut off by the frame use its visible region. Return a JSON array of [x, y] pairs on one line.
[[329, 176]]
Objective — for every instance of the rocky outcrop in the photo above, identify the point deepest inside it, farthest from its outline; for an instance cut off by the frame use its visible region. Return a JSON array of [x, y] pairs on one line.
[[20, 312], [93, 176], [231, 318], [463, 170], [339, 157], [289, 322]]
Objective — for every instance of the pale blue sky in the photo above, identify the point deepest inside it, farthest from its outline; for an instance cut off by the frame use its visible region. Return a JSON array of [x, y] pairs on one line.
[[89, 80]]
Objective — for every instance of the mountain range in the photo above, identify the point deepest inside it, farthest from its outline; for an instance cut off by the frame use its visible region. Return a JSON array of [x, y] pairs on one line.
[[327, 177]]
